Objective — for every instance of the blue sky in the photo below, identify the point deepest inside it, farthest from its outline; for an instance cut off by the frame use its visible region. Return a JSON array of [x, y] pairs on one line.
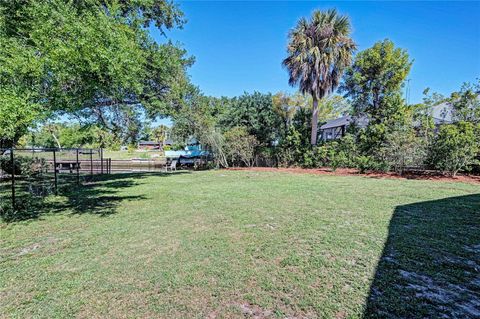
[[239, 46]]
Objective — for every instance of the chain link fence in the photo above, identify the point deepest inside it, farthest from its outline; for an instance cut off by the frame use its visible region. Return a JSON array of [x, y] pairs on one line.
[[27, 176]]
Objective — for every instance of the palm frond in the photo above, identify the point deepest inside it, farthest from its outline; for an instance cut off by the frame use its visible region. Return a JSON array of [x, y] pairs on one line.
[[319, 50]]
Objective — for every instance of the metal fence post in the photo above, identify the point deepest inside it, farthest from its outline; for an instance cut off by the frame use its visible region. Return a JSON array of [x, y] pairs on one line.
[[91, 163], [55, 170], [13, 178], [78, 170], [101, 160]]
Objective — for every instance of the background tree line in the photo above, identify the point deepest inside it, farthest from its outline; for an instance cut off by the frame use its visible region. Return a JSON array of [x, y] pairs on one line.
[[275, 130]]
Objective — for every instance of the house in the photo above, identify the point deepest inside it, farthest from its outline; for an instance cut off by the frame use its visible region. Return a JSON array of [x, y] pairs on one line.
[[334, 129], [442, 114], [337, 128], [148, 145], [153, 145]]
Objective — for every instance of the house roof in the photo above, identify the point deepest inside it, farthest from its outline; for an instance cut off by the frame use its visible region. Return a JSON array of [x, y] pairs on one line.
[[147, 143], [442, 113], [168, 141], [341, 121]]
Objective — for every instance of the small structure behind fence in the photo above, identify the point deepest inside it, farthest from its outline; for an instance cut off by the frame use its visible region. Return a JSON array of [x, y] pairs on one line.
[[30, 174]]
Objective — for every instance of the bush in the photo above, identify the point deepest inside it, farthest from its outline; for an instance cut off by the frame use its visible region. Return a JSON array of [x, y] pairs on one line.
[[369, 163], [455, 148], [308, 159], [335, 154], [26, 166], [240, 146], [347, 152], [337, 159], [178, 147], [292, 149], [266, 157], [114, 146], [26, 207]]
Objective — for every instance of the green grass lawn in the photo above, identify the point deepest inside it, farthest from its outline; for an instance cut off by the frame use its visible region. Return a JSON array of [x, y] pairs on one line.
[[240, 244]]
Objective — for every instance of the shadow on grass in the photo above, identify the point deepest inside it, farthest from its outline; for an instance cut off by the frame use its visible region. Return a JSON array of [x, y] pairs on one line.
[[99, 195], [430, 266]]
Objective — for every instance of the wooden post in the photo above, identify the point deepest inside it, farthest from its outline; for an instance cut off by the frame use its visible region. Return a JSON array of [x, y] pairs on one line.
[[13, 178], [78, 170], [55, 170]]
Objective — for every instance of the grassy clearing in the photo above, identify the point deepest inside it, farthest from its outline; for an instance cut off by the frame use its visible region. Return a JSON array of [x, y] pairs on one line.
[[233, 244]]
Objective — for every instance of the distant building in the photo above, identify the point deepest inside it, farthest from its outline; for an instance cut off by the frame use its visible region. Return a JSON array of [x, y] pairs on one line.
[[337, 128], [334, 129], [153, 145], [442, 113], [148, 145]]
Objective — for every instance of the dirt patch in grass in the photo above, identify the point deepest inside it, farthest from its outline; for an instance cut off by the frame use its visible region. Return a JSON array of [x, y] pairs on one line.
[[254, 311], [354, 172]]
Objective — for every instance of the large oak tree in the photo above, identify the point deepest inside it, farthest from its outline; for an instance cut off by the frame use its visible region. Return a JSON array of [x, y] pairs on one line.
[[94, 59]]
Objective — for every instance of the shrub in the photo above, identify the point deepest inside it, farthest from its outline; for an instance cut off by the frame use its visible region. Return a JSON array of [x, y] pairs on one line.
[[335, 154], [404, 147], [240, 146], [292, 149], [266, 156], [321, 155], [308, 159], [26, 166], [369, 163], [114, 146], [338, 159], [347, 152], [455, 147], [178, 147], [26, 207]]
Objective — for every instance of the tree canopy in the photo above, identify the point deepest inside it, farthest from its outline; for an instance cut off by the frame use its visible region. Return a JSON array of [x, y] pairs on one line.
[[376, 76], [94, 59]]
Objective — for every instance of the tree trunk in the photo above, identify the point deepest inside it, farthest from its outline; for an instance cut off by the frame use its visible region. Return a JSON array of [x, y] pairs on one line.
[[56, 140], [313, 137]]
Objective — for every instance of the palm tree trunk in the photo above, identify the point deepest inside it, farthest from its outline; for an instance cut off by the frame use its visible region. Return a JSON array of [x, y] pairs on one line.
[[313, 137]]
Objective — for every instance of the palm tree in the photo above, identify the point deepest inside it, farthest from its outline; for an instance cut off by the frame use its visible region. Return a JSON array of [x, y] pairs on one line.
[[160, 134], [319, 50]]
